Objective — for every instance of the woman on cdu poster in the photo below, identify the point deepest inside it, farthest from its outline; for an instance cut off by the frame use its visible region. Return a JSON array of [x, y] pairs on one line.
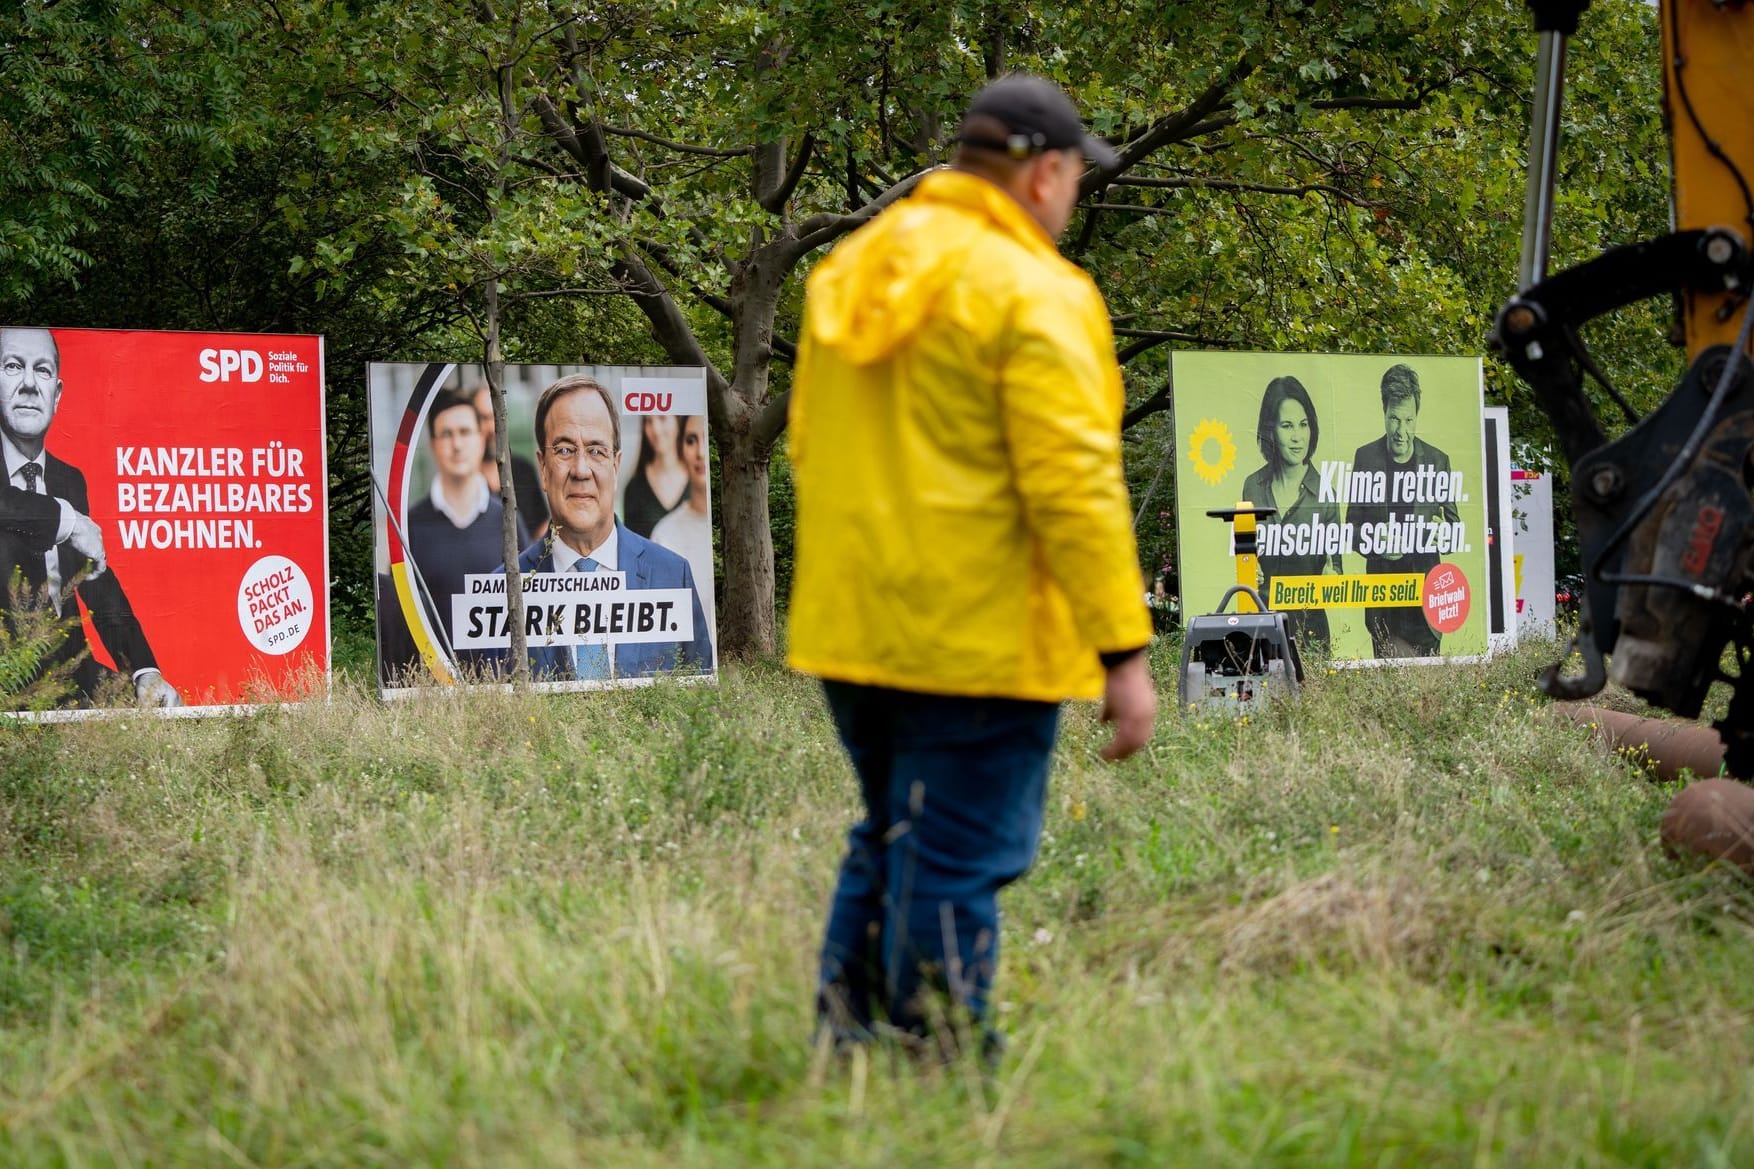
[[1286, 433]]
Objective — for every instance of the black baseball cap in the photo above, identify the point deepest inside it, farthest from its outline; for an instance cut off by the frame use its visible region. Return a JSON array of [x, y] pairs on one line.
[[1037, 116]]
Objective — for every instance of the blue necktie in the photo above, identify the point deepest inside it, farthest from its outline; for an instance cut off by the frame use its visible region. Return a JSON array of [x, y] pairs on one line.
[[589, 661]]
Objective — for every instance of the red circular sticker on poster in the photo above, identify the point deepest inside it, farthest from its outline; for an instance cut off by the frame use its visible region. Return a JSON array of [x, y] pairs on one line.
[[1446, 598]]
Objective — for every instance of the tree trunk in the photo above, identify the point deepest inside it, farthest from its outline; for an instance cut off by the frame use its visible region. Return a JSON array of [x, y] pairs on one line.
[[746, 607], [494, 365], [494, 361]]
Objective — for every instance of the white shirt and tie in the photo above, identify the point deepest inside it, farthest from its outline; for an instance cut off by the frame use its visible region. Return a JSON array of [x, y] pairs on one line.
[[590, 661], [27, 473]]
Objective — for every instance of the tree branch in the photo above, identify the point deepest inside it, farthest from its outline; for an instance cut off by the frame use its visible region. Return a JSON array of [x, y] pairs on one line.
[[1086, 233], [1173, 127], [785, 350], [589, 149], [1155, 404], [1149, 339], [530, 45], [770, 420], [775, 200], [1365, 102], [670, 328], [1209, 126], [1208, 113], [766, 170], [1357, 102], [679, 147], [548, 292], [825, 228], [1196, 181], [993, 45], [1135, 208]]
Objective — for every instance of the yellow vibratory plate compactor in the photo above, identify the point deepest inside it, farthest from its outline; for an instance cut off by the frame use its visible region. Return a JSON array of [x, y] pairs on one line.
[[1234, 663]]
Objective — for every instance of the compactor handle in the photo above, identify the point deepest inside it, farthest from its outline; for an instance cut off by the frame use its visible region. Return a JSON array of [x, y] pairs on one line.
[[1260, 605]]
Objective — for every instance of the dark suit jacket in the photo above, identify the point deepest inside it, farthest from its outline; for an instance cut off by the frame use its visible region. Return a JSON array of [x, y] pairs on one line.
[[28, 523], [1406, 624], [648, 566], [1374, 456]]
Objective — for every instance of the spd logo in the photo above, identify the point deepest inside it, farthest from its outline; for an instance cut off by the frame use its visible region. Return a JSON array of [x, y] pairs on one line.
[[219, 365]]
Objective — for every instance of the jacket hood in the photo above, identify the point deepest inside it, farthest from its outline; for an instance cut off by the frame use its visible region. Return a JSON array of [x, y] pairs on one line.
[[872, 293]]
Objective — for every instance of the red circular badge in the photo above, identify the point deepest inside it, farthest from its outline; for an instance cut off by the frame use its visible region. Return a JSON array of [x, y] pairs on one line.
[[1446, 598]]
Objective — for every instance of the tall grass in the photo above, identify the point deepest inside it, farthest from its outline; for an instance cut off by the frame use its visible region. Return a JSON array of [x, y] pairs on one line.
[[1407, 921]]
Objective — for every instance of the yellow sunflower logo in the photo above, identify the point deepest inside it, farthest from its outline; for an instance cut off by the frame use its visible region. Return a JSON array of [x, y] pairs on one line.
[[1211, 451]]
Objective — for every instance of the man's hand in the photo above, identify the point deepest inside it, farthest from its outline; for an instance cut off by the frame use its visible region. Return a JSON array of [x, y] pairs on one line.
[[88, 540], [1129, 701], [152, 690]]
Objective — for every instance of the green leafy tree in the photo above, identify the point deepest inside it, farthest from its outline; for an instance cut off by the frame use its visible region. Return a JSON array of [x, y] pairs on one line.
[[93, 92], [543, 179], [207, 195], [1267, 195]]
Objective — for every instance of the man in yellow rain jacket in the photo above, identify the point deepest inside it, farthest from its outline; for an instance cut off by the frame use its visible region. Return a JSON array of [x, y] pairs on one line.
[[965, 558]]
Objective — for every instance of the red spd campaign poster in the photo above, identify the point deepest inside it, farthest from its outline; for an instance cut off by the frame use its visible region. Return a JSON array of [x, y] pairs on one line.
[[162, 500]]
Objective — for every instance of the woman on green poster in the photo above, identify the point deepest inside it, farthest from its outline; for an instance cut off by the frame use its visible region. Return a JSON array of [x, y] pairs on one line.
[[1287, 433]]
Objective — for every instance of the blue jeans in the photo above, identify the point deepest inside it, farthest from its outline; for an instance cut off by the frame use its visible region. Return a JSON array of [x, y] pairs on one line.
[[953, 790]]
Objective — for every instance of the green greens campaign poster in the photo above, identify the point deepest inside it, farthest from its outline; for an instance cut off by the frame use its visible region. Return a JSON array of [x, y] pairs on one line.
[[1374, 468]]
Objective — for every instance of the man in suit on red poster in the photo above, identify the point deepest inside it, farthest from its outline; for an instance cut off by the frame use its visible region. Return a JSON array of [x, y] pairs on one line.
[[49, 545]]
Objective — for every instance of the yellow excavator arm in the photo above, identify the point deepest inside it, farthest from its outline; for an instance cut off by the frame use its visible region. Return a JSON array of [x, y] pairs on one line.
[[1708, 105], [1665, 512]]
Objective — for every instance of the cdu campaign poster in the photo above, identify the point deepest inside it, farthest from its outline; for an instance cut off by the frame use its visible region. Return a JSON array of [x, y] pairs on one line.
[[162, 519], [613, 524], [1374, 467]]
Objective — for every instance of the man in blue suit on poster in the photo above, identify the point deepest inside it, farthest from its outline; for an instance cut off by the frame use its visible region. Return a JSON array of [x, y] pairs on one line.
[[578, 444]]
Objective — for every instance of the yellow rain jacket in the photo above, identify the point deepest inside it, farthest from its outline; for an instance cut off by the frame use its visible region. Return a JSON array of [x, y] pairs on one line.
[[955, 438]]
